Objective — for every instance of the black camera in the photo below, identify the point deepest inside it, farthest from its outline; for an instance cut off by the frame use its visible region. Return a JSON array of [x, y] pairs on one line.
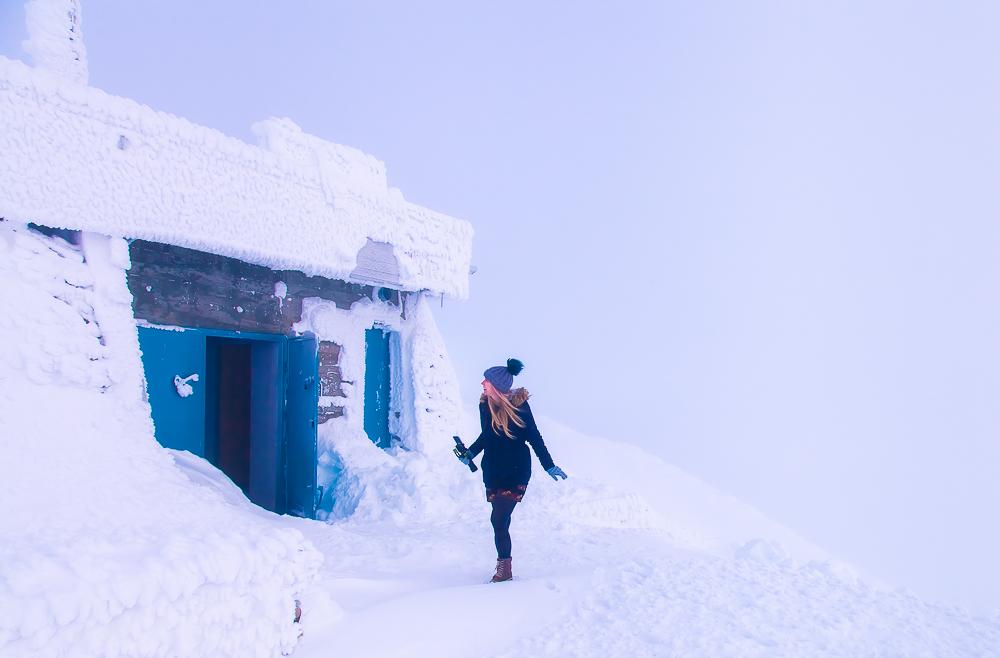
[[462, 452]]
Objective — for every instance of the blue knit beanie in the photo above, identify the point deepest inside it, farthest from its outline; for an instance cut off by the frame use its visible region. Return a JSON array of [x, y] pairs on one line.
[[502, 377]]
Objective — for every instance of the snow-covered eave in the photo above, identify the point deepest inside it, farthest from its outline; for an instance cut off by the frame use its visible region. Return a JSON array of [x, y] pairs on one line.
[[76, 157]]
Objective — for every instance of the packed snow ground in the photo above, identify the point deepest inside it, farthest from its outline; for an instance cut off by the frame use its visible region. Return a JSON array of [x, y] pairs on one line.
[[602, 571]]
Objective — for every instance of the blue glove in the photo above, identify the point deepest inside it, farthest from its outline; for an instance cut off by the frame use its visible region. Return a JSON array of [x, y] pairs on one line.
[[556, 473], [465, 459]]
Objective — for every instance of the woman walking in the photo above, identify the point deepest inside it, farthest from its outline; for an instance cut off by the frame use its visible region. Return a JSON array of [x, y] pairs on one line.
[[507, 424]]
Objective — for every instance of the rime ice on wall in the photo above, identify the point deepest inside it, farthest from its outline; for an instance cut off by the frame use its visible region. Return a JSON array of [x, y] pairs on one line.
[[55, 38], [64, 298], [108, 548], [76, 157], [107, 259], [437, 401]]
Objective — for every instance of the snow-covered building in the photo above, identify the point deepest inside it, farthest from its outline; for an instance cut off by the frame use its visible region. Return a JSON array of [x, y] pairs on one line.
[[274, 285], [266, 307]]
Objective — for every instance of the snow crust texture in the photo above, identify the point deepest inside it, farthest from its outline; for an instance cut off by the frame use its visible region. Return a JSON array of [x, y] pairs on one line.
[[703, 605], [76, 157], [691, 573], [108, 548]]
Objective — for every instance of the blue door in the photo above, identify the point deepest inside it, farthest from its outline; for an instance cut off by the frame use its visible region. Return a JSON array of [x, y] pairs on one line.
[[251, 410], [170, 359], [301, 401], [267, 402], [377, 387]]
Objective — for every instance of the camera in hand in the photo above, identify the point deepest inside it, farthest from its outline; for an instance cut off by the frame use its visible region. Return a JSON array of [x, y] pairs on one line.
[[462, 453]]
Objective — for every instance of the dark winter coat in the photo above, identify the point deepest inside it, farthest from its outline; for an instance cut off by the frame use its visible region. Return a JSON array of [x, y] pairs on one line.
[[506, 461]]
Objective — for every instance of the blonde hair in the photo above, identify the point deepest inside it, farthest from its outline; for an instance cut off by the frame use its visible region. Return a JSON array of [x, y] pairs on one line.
[[502, 411]]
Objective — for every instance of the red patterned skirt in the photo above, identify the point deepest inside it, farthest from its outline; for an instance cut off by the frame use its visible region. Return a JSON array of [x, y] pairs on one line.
[[515, 494]]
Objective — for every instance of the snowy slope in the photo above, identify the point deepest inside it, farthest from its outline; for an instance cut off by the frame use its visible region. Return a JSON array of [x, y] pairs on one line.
[[602, 570]]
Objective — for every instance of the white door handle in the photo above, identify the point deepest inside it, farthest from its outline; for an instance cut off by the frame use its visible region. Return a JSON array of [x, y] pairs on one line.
[[181, 384]]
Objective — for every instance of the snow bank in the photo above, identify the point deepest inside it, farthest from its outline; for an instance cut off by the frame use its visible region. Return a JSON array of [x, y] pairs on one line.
[[76, 157], [628, 557], [108, 548]]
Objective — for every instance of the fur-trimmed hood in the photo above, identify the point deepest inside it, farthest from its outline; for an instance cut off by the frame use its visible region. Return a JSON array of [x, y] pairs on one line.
[[517, 396]]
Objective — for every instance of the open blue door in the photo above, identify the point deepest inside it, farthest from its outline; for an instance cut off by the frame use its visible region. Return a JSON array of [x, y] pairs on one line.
[[377, 387], [301, 403], [176, 381]]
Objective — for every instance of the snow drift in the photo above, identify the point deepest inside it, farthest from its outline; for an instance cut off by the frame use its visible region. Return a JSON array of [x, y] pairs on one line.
[[108, 548], [630, 557]]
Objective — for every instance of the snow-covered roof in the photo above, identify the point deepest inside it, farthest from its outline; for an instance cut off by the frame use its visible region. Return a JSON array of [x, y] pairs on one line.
[[76, 157]]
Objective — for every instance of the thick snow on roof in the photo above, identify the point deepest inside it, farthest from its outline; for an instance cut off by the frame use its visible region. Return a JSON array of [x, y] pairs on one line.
[[76, 157]]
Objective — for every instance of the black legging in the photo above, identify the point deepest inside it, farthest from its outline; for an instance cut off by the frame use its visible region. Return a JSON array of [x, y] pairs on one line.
[[500, 518]]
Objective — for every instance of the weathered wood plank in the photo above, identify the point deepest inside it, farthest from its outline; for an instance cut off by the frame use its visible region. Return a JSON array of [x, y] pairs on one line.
[[185, 287]]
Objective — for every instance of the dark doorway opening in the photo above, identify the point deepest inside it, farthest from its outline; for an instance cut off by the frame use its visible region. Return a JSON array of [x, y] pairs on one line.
[[231, 413], [244, 415]]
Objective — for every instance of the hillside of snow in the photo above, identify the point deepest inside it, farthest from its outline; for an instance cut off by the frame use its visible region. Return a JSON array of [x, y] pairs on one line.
[[628, 557]]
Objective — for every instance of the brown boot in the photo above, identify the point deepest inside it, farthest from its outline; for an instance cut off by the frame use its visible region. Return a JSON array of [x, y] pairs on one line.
[[503, 571]]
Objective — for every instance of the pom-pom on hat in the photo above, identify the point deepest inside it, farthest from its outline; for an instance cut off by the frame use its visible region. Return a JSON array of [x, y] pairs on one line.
[[502, 377]]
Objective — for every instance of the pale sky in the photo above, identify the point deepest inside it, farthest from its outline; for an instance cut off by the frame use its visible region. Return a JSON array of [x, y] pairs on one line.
[[758, 239]]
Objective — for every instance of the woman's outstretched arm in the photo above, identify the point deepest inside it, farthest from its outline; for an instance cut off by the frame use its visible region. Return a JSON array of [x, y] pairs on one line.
[[534, 438]]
